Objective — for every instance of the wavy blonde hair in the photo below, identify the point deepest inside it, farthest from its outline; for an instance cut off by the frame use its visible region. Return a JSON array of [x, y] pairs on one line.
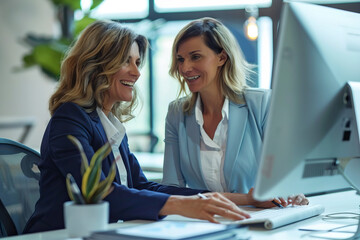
[[90, 64], [234, 73]]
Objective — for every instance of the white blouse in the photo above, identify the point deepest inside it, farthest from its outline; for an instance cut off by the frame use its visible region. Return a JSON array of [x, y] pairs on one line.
[[212, 151], [115, 131]]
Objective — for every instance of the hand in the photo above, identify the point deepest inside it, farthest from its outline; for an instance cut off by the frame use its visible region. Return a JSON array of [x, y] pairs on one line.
[[299, 199], [264, 204], [205, 209]]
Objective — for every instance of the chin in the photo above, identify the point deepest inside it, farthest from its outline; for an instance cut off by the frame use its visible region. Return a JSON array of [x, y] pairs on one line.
[[128, 99], [194, 90]]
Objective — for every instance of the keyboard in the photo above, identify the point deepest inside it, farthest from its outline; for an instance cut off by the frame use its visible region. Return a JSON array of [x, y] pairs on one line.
[[277, 217]]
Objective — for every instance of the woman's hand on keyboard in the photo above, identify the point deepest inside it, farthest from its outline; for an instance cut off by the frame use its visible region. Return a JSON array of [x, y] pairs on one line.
[[299, 199], [203, 206]]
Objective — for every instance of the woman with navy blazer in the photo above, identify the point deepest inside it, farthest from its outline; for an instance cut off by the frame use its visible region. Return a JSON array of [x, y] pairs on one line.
[[213, 136], [95, 95]]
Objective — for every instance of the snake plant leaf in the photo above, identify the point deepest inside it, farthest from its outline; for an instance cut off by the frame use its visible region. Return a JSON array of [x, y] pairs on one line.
[[92, 190], [84, 162], [68, 187], [109, 180], [92, 181], [92, 174], [103, 188]]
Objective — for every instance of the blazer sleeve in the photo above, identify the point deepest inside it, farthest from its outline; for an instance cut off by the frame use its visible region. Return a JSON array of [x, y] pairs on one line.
[[125, 203], [171, 170], [139, 180]]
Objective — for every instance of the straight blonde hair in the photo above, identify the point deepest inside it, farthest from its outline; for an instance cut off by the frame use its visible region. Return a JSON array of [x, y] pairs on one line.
[[233, 74]]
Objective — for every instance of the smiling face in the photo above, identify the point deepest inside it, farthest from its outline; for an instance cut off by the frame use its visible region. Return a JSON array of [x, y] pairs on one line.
[[122, 82], [199, 65]]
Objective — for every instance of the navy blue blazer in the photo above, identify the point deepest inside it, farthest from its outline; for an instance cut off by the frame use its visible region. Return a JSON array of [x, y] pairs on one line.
[[140, 200]]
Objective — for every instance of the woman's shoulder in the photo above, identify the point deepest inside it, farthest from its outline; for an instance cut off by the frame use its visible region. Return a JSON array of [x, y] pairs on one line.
[[257, 95], [177, 105], [68, 106], [71, 110], [176, 110], [256, 92], [257, 98]]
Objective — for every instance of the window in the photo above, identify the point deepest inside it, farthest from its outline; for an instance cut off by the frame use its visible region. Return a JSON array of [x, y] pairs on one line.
[[119, 9], [150, 118], [201, 5]]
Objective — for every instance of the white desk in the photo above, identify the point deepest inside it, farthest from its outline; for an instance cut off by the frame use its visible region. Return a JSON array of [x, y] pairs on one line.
[[335, 202]]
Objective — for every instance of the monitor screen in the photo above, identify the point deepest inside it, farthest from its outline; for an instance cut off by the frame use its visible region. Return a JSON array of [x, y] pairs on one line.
[[311, 123]]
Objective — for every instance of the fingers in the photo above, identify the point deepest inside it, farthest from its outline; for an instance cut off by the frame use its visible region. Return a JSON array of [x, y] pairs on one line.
[[299, 199], [283, 202], [280, 201], [217, 204], [228, 212]]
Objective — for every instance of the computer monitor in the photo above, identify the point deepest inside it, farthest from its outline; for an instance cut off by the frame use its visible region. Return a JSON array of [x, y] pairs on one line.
[[311, 123]]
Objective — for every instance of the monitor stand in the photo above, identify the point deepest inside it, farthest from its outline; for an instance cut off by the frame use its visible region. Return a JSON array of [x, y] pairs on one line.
[[349, 167]]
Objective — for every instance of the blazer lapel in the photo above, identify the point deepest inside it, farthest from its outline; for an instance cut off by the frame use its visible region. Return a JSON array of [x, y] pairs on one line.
[[125, 158], [193, 143], [238, 115], [95, 118]]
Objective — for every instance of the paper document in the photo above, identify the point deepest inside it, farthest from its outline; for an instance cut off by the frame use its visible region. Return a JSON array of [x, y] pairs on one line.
[[175, 230], [277, 217]]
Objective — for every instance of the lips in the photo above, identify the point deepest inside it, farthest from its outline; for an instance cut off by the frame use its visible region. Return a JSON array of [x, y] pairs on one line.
[[127, 83], [192, 78]]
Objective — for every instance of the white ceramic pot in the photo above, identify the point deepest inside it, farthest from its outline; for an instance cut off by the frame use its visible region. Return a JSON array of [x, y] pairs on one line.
[[81, 220]]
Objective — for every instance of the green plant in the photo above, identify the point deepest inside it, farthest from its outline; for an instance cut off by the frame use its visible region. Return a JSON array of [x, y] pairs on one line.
[[48, 52], [92, 189]]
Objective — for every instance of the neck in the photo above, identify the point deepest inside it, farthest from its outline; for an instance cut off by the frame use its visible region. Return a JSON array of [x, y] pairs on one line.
[[107, 106], [212, 103], [106, 111]]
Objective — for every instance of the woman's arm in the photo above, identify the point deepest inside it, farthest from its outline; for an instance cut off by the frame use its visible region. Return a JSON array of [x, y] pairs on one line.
[[171, 170], [248, 199], [203, 208]]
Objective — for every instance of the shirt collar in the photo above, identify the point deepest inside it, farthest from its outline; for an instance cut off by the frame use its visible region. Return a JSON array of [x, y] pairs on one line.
[[198, 112], [114, 129]]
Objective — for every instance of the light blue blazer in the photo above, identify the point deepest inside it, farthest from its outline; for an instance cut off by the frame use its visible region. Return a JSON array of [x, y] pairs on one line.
[[182, 166]]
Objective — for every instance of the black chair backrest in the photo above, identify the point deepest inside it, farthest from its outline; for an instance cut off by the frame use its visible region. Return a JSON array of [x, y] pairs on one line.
[[7, 226], [19, 185]]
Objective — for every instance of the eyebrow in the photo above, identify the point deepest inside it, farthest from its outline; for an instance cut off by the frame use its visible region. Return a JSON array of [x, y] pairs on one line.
[[136, 58], [192, 52]]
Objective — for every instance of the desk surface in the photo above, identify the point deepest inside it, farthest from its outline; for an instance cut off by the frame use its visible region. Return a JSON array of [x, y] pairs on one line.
[[335, 202]]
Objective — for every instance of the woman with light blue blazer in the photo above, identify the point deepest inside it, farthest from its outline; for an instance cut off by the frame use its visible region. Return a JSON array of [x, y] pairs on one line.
[[213, 136], [246, 123]]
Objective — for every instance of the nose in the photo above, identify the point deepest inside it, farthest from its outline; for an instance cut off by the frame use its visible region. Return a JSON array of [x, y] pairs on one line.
[[185, 66], [134, 70]]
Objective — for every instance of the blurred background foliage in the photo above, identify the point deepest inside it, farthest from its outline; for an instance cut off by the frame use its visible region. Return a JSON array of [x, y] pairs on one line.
[[48, 52]]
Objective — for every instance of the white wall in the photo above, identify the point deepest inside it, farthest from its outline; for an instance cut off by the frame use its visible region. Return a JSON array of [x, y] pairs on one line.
[[25, 93]]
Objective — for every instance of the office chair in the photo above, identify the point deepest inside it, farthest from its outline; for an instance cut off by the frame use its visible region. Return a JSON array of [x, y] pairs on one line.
[[19, 186]]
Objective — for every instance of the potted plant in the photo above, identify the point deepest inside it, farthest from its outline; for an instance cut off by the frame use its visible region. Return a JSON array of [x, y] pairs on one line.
[[87, 212]]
